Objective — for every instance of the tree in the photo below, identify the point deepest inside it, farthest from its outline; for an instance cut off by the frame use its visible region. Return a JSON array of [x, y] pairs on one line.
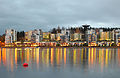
[[20, 36], [54, 31], [2, 38]]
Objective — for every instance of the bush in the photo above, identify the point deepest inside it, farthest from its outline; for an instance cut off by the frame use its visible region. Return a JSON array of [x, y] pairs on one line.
[[113, 44], [57, 44], [86, 44]]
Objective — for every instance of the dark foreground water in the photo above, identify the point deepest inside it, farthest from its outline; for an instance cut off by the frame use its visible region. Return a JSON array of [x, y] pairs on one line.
[[60, 63]]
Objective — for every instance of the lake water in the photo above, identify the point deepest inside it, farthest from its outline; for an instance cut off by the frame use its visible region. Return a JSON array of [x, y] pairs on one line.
[[60, 62]]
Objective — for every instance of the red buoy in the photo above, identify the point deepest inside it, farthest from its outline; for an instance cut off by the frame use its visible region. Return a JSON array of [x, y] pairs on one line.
[[25, 65]]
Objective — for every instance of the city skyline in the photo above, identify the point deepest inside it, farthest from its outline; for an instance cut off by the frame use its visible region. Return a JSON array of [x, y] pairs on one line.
[[72, 37], [48, 30]]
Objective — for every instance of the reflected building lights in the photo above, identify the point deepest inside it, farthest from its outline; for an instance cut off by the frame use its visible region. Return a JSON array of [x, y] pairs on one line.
[[106, 58], [4, 56], [61, 55], [76, 57], [113, 55], [109, 55], [8, 53], [11, 60], [64, 56], [57, 56], [92, 56], [43, 56], [102, 59], [0, 55], [27, 55], [34, 54], [52, 55], [16, 57], [119, 57], [82, 56], [47, 57], [21, 55], [37, 57], [100, 52], [89, 57], [85, 53]]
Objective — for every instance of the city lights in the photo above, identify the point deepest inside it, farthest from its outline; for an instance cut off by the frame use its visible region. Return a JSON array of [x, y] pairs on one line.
[[64, 37]]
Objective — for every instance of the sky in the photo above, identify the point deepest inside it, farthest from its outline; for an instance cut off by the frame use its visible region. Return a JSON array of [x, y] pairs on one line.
[[47, 14]]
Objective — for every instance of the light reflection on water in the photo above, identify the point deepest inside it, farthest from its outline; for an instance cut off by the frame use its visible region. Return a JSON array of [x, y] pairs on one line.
[[60, 59]]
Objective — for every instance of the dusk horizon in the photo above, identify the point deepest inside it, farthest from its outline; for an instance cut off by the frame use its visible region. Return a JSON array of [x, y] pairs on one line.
[[59, 39], [49, 28]]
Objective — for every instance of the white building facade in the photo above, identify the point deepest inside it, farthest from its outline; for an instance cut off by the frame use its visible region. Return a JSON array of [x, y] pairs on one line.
[[117, 34], [36, 36], [10, 36]]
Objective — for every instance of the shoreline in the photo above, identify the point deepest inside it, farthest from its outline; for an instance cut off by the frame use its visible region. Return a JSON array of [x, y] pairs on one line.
[[66, 47]]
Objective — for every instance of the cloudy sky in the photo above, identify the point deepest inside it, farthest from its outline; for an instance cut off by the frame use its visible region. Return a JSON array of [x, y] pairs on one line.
[[46, 14]]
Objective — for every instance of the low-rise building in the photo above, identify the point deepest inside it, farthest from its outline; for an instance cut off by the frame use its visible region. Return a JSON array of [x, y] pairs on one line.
[[53, 37], [36, 36], [46, 36], [92, 37], [28, 35], [105, 37], [117, 39]]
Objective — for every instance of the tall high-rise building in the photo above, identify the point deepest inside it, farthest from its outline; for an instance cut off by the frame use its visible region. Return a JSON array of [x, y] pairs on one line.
[[67, 34], [10, 36], [85, 32]]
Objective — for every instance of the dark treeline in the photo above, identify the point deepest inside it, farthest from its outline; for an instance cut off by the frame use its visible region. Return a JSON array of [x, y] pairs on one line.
[[72, 29], [80, 29], [2, 38], [55, 31], [20, 35], [105, 29]]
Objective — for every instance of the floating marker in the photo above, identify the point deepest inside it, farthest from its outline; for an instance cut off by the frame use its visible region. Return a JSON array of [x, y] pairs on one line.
[[25, 65]]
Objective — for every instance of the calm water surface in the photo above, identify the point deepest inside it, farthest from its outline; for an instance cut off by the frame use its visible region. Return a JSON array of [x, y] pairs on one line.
[[60, 63]]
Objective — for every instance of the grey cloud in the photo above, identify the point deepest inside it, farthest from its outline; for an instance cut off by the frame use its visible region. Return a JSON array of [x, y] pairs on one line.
[[45, 14]]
